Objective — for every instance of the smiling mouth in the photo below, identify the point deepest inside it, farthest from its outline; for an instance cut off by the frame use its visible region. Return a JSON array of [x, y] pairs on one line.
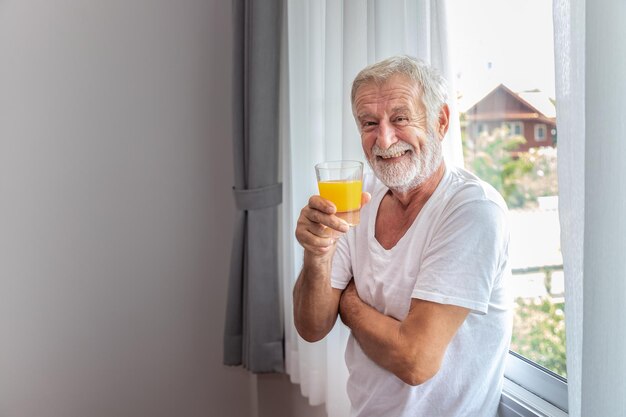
[[395, 155]]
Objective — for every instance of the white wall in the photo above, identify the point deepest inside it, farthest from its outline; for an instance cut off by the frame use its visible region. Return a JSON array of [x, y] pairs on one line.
[[115, 209], [604, 311]]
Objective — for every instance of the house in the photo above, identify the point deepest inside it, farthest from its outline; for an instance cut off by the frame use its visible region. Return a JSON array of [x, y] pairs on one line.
[[530, 114]]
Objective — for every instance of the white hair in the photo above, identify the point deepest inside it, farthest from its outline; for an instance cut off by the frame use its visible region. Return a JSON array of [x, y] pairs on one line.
[[431, 84]]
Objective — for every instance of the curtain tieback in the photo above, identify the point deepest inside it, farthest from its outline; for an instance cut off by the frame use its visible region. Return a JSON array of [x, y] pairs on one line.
[[258, 198]]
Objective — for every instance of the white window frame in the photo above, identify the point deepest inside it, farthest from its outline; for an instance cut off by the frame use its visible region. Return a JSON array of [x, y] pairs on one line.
[[531, 390], [545, 132], [512, 126]]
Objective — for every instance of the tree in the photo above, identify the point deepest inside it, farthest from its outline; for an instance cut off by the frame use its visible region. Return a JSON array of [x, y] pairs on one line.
[[541, 180], [539, 333], [520, 177], [492, 159]]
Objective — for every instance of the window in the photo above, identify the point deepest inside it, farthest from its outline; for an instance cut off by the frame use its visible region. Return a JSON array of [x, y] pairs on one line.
[[540, 133], [487, 54], [514, 128]]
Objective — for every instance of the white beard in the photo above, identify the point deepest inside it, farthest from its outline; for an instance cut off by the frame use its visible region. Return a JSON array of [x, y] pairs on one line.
[[407, 174]]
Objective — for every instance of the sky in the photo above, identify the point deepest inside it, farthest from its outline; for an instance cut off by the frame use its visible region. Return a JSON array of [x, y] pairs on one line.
[[501, 41]]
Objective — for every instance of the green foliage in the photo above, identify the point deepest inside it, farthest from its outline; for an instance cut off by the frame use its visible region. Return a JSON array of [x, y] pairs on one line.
[[520, 177], [541, 180], [539, 333]]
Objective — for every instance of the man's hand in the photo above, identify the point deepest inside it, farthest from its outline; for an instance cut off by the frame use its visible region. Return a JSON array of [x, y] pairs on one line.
[[318, 227]]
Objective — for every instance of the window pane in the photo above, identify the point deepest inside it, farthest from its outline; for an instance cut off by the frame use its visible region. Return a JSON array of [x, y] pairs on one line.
[[505, 84], [540, 132]]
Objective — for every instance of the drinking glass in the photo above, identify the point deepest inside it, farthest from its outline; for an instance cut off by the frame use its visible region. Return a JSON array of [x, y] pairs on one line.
[[341, 182]]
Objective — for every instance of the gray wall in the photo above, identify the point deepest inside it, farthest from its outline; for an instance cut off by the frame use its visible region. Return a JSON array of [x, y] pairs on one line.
[[115, 209], [116, 213]]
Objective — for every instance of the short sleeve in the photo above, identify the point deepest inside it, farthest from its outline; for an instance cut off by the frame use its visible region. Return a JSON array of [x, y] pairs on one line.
[[341, 271], [465, 257]]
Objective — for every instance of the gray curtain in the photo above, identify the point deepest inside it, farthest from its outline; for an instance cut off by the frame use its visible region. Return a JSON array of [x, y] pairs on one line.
[[253, 334]]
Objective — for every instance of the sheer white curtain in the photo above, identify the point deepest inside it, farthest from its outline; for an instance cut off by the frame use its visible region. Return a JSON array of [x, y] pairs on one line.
[[569, 49], [328, 43], [591, 97]]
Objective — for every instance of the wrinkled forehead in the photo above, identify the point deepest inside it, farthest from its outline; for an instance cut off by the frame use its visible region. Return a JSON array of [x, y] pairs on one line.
[[396, 88]]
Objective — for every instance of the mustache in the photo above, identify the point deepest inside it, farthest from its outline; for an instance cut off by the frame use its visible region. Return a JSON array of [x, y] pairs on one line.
[[392, 150]]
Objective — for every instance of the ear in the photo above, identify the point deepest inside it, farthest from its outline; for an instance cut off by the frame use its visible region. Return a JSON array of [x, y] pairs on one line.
[[443, 121]]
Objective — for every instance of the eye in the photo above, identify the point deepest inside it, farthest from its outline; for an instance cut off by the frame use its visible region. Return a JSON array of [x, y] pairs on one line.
[[368, 124], [401, 119]]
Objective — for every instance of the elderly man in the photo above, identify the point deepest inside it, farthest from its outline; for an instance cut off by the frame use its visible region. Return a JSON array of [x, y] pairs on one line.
[[421, 281]]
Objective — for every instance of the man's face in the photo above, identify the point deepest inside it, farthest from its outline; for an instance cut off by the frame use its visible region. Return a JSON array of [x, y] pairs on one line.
[[398, 143]]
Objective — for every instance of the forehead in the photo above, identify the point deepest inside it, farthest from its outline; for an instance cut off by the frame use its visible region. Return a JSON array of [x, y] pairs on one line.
[[397, 90]]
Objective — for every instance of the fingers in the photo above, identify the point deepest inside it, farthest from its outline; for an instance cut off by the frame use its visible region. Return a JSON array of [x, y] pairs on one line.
[[322, 211], [311, 236], [318, 227], [321, 204]]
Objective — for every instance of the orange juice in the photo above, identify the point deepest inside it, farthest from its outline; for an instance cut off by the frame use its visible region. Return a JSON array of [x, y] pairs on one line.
[[346, 194]]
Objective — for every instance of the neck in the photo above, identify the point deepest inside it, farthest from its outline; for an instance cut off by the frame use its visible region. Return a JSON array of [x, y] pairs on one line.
[[421, 193]]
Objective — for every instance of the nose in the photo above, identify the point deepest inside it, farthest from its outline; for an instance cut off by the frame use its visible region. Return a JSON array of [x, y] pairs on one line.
[[386, 135]]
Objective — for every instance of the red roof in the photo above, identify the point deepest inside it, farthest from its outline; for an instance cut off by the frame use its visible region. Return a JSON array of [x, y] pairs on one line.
[[502, 103]]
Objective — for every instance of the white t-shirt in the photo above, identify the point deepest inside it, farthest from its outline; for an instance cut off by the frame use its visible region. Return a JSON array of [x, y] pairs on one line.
[[455, 252]]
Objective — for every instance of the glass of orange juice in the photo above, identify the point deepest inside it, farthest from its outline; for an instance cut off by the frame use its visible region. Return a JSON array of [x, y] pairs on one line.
[[341, 182]]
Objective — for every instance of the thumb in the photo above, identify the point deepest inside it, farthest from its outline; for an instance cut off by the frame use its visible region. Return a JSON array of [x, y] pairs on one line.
[[365, 198]]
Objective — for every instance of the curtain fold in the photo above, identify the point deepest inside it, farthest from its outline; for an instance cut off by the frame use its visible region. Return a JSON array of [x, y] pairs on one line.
[[329, 43], [253, 334]]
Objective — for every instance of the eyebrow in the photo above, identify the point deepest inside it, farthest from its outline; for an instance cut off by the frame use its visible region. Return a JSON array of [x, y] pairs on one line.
[[401, 109], [396, 109], [366, 115]]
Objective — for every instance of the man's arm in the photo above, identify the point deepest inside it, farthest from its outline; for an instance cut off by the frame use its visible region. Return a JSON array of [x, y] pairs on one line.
[[315, 302], [412, 349]]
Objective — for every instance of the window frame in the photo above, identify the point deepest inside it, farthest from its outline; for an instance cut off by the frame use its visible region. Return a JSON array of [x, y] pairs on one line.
[[539, 126], [531, 390], [511, 126], [518, 402]]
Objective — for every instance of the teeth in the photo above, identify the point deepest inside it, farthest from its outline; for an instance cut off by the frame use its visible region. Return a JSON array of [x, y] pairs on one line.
[[395, 155]]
